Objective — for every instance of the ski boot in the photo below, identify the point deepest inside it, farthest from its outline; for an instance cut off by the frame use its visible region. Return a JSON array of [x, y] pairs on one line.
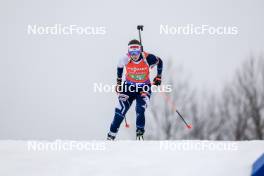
[[139, 134], [111, 136]]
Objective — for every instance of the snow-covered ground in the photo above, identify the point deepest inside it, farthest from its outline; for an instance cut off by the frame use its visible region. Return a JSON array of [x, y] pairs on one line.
[[91, 158]]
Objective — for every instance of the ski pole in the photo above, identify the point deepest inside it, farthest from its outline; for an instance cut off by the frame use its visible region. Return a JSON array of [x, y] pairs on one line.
[[167, 98], [188, 125], [140, 28], [173, 106], [174, 109], [126, 124]]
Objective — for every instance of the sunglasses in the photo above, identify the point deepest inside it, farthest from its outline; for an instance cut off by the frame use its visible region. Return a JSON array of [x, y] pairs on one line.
[[134, 53]]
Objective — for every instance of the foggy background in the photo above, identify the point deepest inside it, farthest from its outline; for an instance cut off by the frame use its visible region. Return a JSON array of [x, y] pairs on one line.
[[46, 81]]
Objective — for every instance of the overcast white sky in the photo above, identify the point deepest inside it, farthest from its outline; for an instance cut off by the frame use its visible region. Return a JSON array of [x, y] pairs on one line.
[[47, 81]]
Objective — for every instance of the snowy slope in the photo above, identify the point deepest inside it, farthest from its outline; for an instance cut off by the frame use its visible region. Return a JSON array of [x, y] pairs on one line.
[[188, 158]]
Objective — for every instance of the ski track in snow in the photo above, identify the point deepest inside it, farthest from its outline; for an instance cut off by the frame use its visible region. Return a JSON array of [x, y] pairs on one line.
[[127, 158]]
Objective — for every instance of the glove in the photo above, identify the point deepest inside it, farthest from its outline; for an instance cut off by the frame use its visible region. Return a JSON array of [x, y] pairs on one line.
[[157, 80], [118, 86]]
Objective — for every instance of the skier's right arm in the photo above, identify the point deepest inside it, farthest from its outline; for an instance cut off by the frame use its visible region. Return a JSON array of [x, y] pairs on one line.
[[119, 79], [120, 68]]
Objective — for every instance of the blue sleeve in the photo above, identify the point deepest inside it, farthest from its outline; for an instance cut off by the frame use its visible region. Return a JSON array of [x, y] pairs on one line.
[[159, 67], [154, 60]]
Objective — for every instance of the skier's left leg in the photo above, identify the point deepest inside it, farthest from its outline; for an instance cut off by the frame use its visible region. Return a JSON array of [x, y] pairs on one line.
[[142, 101]]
